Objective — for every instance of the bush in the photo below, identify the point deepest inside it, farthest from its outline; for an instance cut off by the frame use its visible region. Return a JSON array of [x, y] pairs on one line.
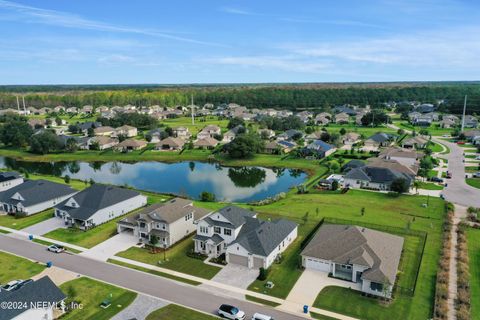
[[263, 274], [206, 196]]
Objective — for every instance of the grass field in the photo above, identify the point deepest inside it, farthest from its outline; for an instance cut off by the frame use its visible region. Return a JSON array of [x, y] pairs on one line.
[[90, 293], [13, 222], [434, 129], [379, 209], [473, 240], [429, 186], [177, 259], [365, 131], [13, 268], [173, 311], [474, 182]]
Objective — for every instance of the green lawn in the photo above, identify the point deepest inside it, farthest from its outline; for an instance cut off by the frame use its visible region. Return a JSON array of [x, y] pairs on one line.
[[177, 259], [429, 186], [13, 222], [379, 209], [474, 182], [365, 131], [173, 311], [434, 129], [473, 240], [261, 301], [90, 293], [13, 267]]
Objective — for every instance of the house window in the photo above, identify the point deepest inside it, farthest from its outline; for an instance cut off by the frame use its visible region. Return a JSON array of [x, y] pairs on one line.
[[217, 230], [376, 286], [188, 216], [227, 232], [203, 230]]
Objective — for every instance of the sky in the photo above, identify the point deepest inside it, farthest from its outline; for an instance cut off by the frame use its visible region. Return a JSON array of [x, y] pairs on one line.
[[238, 41]]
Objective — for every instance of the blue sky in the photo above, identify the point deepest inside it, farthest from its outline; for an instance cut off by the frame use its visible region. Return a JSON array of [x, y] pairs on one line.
[[234, 41]]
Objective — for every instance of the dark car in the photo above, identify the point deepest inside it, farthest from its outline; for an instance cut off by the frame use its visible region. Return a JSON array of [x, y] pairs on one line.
[[436, 179]]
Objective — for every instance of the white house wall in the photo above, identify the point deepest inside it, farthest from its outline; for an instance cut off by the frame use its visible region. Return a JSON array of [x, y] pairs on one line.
[[39, 207], [10, 184]]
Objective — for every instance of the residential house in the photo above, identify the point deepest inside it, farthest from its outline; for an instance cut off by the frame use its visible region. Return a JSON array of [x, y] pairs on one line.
[[323, 118], [37, 123], [33, 196], [318, 149], [272, 147], [170, 222], [59, 109], [231, 134], [9, 179], [470, 121], [104, 131], [182, 133], [80, 142], [72, 110], [378, 140], [126, 131], [286, 146], [102, 142], [87, 109], [170, 144], [39, 299], [411, 170], [342, 118], [156, 135], [84, 126], [358, 118], [290, 134], [352, 164], [350, 138], [206, 143], [209, 131], [243, 239], [374, 178], [267, 133], [448, 123], [425, 108], [305, 116], [416, 142], [472, 135], [98, 204], [407, 157], [356, 254], [130, 145], [345, 109]]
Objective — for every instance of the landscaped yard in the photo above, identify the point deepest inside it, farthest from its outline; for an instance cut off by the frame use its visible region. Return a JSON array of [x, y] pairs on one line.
[[90, 294], [13, 222], [429, 186], [434, 129], [403, 211], [474, 182], [473, 239], [13, 268], [173, 311], [177, 259]]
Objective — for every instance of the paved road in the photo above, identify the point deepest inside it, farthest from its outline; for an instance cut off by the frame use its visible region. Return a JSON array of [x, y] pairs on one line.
[[179, 293], [457, 190]]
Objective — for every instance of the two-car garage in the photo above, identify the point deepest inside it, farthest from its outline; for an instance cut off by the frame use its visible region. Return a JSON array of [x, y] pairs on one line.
[[317, 264], [248, 261], [237, 259]]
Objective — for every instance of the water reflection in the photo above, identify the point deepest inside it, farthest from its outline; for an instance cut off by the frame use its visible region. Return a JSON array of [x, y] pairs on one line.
[[242, 184]]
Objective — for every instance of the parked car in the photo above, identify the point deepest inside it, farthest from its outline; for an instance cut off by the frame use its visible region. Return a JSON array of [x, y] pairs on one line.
[[449, 175], [56, 248], [436, 179], [23, 282], [476, 174], [230, 312], [12, 285], [460, 142], [446, 135], [259, 316]]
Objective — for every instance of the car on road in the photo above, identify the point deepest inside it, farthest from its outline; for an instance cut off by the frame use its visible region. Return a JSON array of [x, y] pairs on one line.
[[446, 135], [448, 175], [12, 285], [436, 179], [230, 312], [259, 316], [460, 142], [55, 248]]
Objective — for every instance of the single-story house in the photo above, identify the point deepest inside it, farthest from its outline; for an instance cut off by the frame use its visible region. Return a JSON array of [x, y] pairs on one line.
[[318, 149], [232, 133], [206, 143], [130, 145], [394, 165], [156, 135], [80, 142], [103, 142], [290, 134], [323, 118], [374, 178], [104, 131], [127, 131], [352, 164], [33, 196], [416, 142], [379, 139], [356, 254], [170, 144], [40, 299], [209, 131], [84, 126], [470, 121], [407, 157], [98, 204], [170, 222], [350, 138], [9, 179], [266, 133], [342, 118]]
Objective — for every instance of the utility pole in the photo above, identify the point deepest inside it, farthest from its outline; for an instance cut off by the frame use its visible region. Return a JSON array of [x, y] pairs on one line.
[[24, 109], [191, 106], [464, 108], [18, 105]]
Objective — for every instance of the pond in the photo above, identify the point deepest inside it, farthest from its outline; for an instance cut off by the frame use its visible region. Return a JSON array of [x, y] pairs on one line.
[[232, 184]]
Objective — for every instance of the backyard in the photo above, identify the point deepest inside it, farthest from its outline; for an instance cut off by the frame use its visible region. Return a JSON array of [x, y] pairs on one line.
[[14, 268], [90, 294]]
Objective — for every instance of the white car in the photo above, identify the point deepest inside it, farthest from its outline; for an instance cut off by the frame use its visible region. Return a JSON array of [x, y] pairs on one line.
[[12, 285], [55, 248], [477, 158], [259, 316], [476, 174], [231, 312]]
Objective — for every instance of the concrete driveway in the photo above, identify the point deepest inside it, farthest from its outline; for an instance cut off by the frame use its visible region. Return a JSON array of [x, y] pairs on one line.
[[234, 275], [110, 247], [311, 282], [140, 308], [46, 226]]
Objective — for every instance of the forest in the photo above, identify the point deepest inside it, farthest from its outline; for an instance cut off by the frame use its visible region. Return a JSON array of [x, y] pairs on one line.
[[285, 96]]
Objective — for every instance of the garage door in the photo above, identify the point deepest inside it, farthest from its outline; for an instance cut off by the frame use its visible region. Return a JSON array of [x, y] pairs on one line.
[[241, 260], [317, 264], [257, 263]]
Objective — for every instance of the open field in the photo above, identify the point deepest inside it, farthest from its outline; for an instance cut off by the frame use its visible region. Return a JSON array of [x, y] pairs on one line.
[[173, 311], [434, 129], [473, 239], [90, 293], [177, 259], [14, 268], [365, 131]]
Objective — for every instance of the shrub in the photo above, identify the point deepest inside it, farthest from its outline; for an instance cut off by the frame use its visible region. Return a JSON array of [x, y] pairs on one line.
[[263, 274]]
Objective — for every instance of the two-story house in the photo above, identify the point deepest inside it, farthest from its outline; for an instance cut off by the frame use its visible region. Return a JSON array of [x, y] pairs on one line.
[[169, 222]]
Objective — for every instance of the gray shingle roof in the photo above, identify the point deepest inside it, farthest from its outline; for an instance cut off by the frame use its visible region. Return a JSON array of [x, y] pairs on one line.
[[376, 174], [9, 175], [344, 244], [94, 198], [262, 237], [35, 191], [42, 290], [380, 137], [236, 215]]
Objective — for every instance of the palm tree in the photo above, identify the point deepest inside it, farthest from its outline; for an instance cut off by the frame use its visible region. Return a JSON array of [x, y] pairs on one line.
[[416, 184]]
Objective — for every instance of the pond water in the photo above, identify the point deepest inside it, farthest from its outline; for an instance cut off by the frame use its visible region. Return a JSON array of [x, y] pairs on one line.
[[238, 184]]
